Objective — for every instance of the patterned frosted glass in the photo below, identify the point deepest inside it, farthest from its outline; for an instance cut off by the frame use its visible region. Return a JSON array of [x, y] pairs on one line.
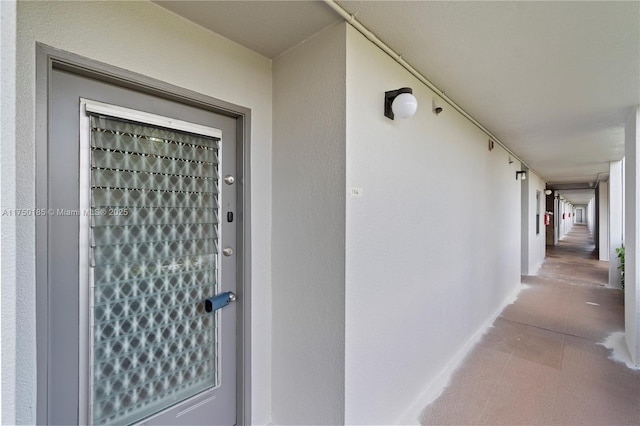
[[154, 259]]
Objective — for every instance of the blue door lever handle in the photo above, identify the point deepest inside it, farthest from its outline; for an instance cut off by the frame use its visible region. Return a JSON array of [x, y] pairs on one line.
[[219, 301]]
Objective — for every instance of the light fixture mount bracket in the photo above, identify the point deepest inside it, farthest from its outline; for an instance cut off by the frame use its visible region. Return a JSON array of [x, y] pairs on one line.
[[390, 96]]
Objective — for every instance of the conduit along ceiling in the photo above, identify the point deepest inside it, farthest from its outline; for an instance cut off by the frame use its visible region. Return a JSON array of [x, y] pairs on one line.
[[554, 81]]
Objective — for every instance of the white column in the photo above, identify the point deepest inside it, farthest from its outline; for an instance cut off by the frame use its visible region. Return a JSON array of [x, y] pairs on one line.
[[563, 218], [560, 219], [524, 223], [603, 219], [632, 236], [309, 289], [615, 220], [556, 217]]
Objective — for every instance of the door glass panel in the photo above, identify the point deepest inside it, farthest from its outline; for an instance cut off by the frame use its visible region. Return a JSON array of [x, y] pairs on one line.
[[154, 241]]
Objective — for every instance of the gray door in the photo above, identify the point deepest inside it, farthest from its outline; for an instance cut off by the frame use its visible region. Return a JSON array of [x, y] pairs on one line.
[[138, 219]]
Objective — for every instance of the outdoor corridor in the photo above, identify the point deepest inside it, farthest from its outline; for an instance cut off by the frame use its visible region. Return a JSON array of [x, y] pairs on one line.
[[542, 362]]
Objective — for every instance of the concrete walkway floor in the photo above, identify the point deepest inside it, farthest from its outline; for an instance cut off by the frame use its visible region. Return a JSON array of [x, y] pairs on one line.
[[542, 362]]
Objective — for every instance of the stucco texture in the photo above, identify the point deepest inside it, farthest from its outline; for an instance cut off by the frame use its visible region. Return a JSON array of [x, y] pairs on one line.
[[147, 39], [433, 246]]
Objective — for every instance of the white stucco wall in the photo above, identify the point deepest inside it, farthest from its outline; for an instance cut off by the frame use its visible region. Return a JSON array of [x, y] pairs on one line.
[[566, 222], [603, 219], [147, 39], [309, 231], [616, 219], [537, 241], [433, 241], [562, 219], [534, 244], [525, 232], [632, 235], [7, 201]]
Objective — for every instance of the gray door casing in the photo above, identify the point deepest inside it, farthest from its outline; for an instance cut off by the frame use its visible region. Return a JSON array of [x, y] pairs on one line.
[[54, 67]]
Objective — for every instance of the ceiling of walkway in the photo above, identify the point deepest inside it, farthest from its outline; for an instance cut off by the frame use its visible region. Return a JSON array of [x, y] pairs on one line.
[[554, 81]]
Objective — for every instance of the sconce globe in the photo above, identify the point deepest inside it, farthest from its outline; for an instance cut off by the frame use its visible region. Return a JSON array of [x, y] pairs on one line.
[[404, 105]]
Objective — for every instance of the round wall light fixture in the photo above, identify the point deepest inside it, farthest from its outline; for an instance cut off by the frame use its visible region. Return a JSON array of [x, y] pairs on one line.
[[400, 103], [522, 174]]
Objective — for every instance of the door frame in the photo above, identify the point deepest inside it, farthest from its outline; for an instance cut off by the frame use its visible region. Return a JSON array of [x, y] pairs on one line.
[[48, 59]]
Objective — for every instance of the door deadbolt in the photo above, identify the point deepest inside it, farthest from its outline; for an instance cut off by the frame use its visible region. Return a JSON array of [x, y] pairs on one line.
[[227, 251], [229, 180]]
